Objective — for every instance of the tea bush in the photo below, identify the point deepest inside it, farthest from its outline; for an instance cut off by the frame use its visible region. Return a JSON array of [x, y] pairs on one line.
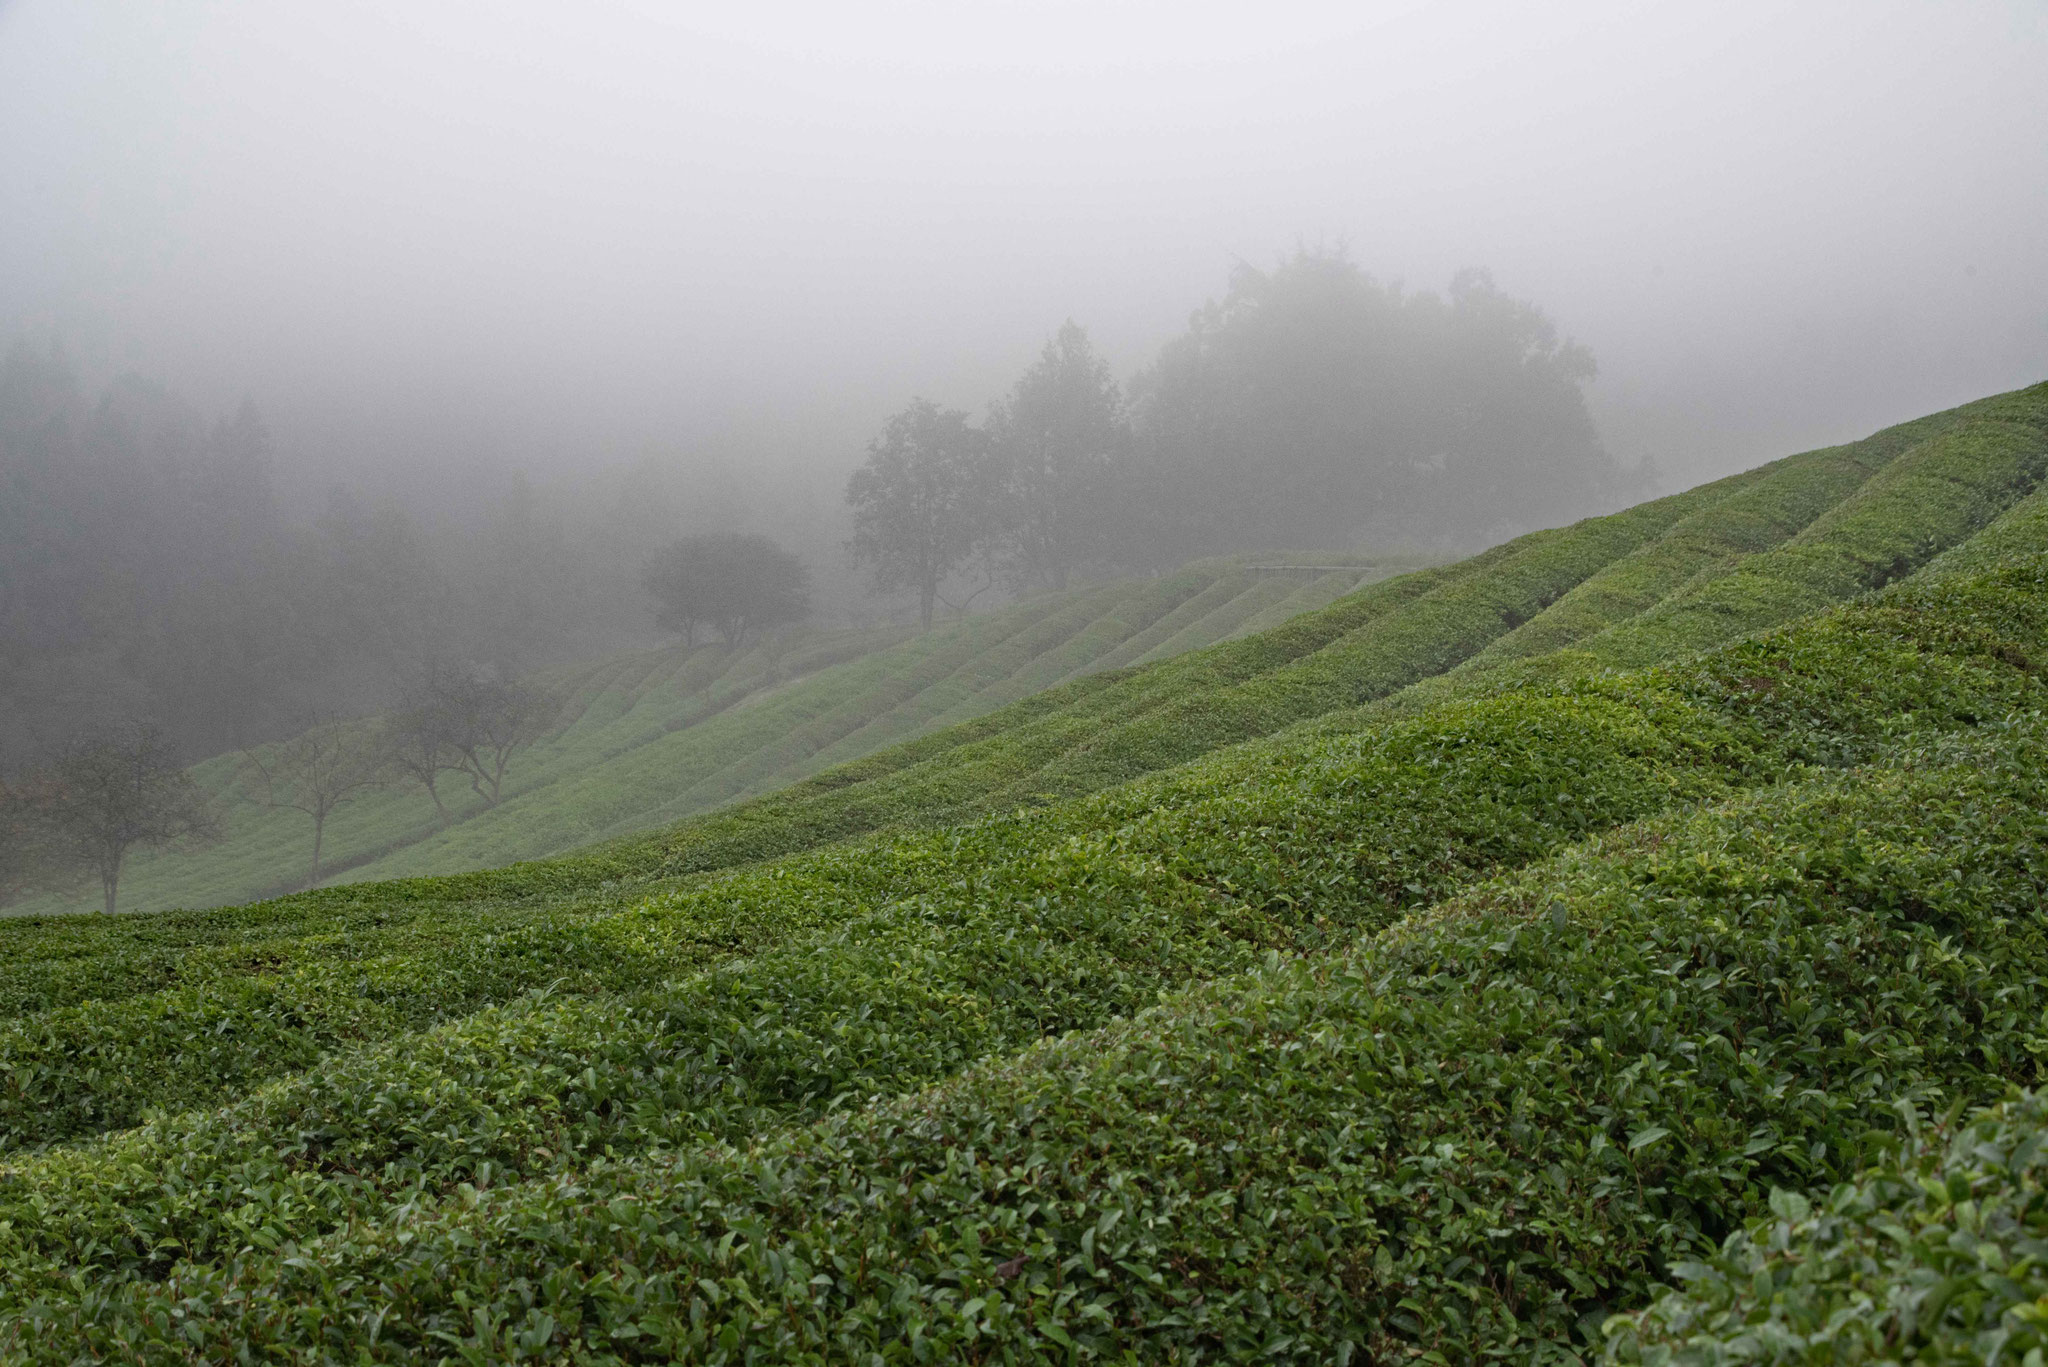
[[1479, 1132], [1933, 1254]]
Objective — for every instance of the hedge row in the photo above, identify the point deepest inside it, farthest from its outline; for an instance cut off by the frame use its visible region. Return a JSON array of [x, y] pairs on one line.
[[274, 1014], [1389, 636], [1041, 924], [1932, 497], [1814, 530], [996, 937], [99, 1065], [1190, 616], [1938, 1253], [1479, 1133], [642, 731]]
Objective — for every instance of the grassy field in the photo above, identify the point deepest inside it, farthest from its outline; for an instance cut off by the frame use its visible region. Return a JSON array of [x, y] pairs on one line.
[[646, 738], [1442, 971]]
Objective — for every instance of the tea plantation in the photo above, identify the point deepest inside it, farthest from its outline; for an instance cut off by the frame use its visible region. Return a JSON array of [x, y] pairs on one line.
[[647, 737], [1601, 947]]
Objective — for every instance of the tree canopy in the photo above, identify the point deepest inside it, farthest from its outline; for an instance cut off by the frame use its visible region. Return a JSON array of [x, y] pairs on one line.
[[110, 789], [928, 497], [1313, 406], [738, 584], [1059, 437]]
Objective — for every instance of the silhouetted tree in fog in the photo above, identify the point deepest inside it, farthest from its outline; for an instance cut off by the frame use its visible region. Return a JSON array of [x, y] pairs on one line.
[[418, 740], [736, 583], [486, 719], [1059, 436], [925, 501], [111, 789], [317, 771], [1313, 406]]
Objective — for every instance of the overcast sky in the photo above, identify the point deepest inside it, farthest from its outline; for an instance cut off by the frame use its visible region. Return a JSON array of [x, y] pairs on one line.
[[558, 233]]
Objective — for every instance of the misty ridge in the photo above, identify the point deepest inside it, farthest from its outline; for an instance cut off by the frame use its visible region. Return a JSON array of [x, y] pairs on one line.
[[150, 568], [1034, 682]]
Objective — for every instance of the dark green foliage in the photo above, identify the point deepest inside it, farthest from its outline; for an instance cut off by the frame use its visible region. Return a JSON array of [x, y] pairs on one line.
[[1293, 411], [923, 503], [1933, 1254], [1485, 1127], [736, 583], [1184, 877], [1439, 1030]]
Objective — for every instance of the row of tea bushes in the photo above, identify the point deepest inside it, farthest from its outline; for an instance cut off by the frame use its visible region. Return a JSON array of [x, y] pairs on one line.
[[1934, 1254], [270, 1013], [986, 939], [1480, 1132]]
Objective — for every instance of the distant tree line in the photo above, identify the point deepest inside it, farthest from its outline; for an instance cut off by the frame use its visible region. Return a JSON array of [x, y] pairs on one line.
[[1310, 408], [147, 571], [112, 788]]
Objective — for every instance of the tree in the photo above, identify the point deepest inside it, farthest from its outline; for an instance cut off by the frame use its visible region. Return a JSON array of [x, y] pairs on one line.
[[1059, 436], [1313, 406], [317, 771], [926, 499], [736, 583], [418, 743], [111, 789], [485, 719]]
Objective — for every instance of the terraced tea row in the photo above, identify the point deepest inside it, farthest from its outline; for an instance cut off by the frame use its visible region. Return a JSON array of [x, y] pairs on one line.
[[1674, 938], [1475, 1130], [646, 738]]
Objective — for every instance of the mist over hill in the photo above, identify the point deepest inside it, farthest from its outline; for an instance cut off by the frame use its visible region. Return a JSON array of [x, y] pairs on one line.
[[1045, 681], [539, 293], [1661, 882], [150, 567]]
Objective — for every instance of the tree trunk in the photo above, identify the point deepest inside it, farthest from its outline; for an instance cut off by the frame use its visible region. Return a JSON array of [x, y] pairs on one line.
[[319, 829], [434, 793], [110, 883], [928, 594]]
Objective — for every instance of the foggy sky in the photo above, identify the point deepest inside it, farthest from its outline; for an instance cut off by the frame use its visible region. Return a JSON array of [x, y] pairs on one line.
[[563, 234]]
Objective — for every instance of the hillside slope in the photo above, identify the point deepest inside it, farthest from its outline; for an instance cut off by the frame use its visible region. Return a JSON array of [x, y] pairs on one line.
[[1291, 998], [650, 736]]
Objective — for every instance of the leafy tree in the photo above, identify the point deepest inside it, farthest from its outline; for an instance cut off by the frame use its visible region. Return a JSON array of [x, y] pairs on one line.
[[111, 789], [736, 583], [1313, 406], [317, 771], [1059, 436], [926, 500]]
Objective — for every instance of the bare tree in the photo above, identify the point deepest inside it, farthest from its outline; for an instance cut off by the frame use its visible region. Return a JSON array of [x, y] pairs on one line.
[[417, 743], [111, 789], [317, 771], [487, 718]]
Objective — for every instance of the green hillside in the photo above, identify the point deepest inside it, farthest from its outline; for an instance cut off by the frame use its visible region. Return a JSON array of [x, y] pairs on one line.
[[1440, 972], [648, 737]]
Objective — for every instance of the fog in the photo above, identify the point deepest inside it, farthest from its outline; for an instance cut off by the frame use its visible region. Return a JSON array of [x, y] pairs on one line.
[[557, 235], [675, 266]]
